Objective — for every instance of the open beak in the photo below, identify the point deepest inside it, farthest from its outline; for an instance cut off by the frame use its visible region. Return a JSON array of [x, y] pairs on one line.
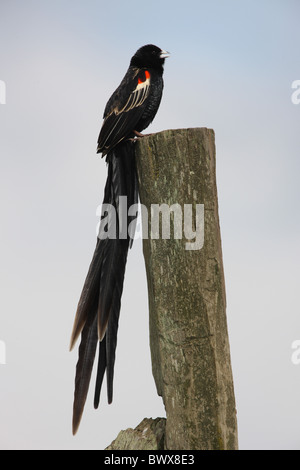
[[164, 54]]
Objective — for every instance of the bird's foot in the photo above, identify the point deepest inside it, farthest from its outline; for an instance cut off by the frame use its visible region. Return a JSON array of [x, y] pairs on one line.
[[138, 134]]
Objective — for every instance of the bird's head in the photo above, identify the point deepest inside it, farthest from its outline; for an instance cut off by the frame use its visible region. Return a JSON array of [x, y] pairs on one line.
[[149, 56]]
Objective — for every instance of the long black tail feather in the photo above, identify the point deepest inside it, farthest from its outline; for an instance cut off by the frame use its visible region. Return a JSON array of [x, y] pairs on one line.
[[98, 311]]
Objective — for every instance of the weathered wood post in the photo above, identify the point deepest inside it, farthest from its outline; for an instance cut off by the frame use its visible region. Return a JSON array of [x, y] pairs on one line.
[[188, 327]]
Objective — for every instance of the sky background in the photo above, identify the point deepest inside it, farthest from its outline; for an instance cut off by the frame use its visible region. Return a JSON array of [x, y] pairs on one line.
[[231, 69]]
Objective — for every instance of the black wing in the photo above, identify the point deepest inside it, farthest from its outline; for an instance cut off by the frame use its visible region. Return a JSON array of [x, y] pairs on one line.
[[124, 109]]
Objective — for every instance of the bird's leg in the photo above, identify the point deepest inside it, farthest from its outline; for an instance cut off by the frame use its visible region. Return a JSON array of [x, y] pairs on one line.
[[138, 134]]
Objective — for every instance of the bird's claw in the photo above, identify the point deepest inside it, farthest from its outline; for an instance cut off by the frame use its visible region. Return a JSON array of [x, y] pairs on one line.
[[138, 134]]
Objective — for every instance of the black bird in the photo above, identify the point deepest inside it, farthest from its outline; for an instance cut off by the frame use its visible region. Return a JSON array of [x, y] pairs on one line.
[[131, 109]]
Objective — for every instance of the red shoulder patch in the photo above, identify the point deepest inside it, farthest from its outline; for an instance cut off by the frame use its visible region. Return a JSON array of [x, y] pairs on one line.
[[147, 76]]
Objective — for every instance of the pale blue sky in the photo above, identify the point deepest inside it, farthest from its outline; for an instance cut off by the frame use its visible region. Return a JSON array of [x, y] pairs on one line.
[[231, 69]]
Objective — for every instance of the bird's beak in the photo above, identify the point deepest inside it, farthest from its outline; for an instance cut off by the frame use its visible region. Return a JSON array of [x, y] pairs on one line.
[[164, 54]]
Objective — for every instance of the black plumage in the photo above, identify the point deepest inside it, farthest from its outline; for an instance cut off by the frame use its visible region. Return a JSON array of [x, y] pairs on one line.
[[129, 111]]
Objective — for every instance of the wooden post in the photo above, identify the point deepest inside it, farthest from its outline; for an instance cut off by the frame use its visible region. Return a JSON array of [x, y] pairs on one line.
[[188, 327]]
